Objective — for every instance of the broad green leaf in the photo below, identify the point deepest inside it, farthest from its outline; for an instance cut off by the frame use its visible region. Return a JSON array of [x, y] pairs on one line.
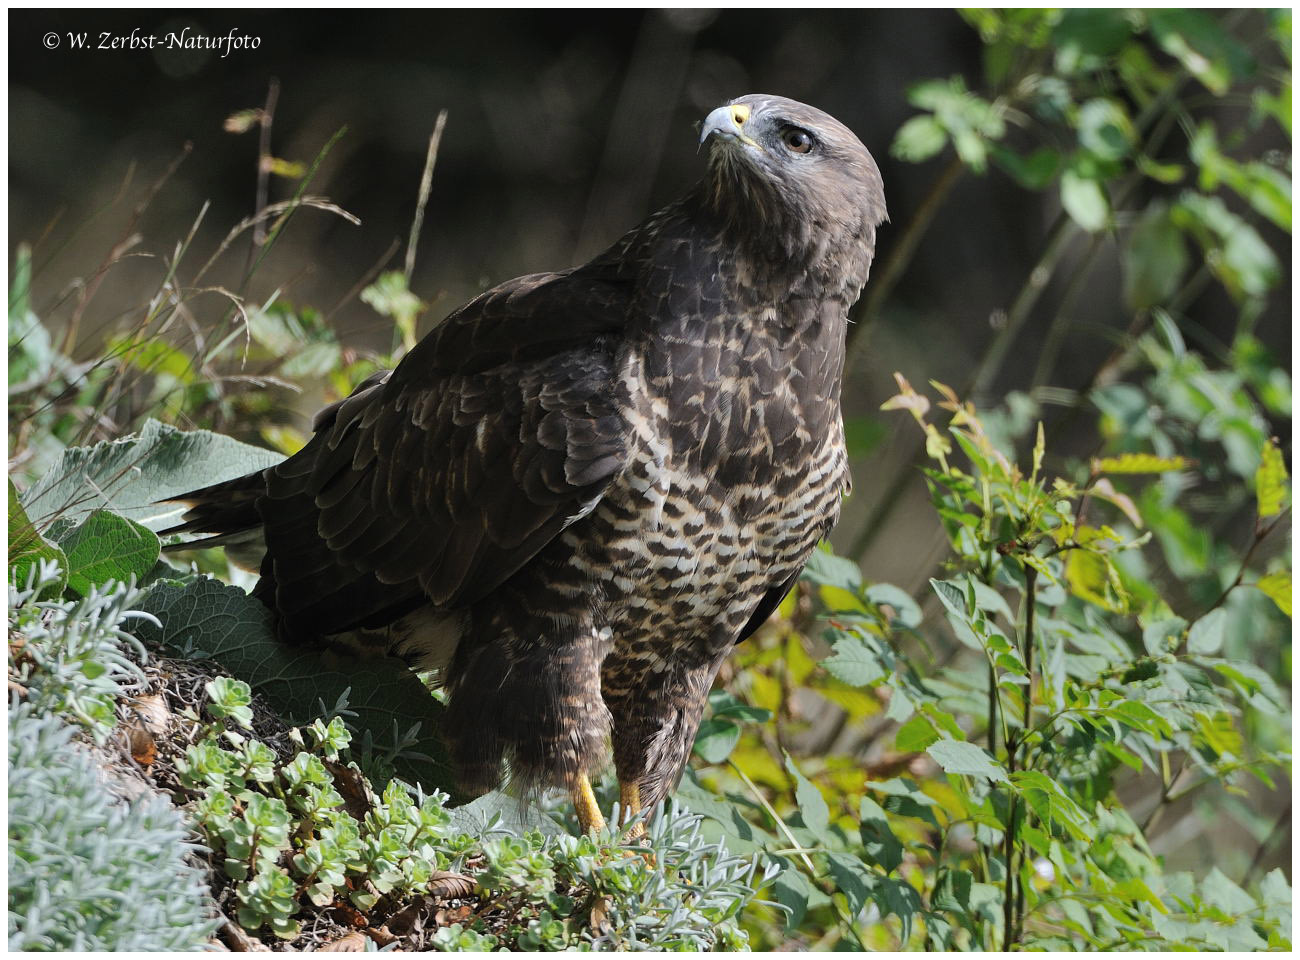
[[27, 547], [1155, 259], [793, 890], [1239, 256], [853, 662], [724, 704], [812, 805], [919, 139], [952, 892], [878, 840], [906, 613], [852, 878], [211, 620], [107, 547], [915, 735], [1277, 587], [130, 476], [1198, 41], [958, 757], [1085, 201], [953, 597], [1083, 38], [1206, 635], [1271, 481], [824, 567], [1088, 575], [1139, 463], [716, 739], [1033, 172], [905, 799], [1218, 890], [1105, 129], [1161, 636]]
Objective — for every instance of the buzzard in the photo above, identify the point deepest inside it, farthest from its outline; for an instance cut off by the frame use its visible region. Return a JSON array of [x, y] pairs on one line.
[[583, 488]]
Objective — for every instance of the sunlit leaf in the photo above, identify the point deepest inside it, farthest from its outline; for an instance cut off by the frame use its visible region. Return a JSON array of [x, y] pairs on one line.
[[1271, 487], [1139, 463], [812, 805], [1085, 201], [959, 757], [1277, 587]]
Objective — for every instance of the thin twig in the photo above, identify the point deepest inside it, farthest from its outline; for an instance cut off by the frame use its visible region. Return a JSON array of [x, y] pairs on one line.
[[264, 162], [426, 179], [89, 291], [366, 277]]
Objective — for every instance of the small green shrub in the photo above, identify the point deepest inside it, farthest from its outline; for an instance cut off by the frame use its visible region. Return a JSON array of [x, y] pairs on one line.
[[287, 841]]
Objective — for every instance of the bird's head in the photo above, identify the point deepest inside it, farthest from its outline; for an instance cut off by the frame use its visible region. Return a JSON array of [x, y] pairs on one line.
[[793, 175]]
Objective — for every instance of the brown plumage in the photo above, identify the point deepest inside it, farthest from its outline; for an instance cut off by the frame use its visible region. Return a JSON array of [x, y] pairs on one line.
[[579, 491]]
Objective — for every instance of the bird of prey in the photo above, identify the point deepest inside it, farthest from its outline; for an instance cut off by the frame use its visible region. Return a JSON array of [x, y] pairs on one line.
[[582, 489]]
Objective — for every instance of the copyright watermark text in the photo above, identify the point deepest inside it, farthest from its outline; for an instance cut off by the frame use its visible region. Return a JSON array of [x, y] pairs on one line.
[[137, 39]]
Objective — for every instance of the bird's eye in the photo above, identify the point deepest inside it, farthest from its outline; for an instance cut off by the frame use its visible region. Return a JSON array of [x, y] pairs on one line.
[[798, 141]]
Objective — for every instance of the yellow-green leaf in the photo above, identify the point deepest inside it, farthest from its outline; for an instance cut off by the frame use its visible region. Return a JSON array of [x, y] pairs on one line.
[[1088, 575], [1277, 587], [1271, 481], [1140, 463]]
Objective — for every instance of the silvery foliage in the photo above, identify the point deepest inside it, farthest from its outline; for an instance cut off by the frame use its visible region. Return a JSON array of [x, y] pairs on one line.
[[86, 871], [74, 655]]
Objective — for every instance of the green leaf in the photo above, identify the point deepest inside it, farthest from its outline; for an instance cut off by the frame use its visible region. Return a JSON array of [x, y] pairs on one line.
[[952, 891], [1239, 256], [1161, 636], [1033, 172], [716, 739], [1085, 201], [1206, 634], [27, 547], [1083, 38], [853, 662], [958, 757], [1271, 481], [915, 735], [1218, 890], [1155, 259], [812, 805], [919, 139], [129, 476], [212, 620], [953, 597], [906, 613], [878, 840], [852, 878], [825, 568], [1277, 587], [1139, 463], [1105, 129], [108, 547], [793, 891], [1201, 44]]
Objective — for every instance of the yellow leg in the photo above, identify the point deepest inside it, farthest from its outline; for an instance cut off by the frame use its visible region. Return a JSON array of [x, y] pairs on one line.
[[629, 806], [584, 800]]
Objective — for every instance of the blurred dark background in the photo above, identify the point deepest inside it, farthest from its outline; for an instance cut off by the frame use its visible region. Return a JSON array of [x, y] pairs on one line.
[[565, 128]]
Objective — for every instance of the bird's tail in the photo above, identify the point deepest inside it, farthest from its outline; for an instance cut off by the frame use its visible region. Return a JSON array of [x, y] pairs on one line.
[[227, 512]]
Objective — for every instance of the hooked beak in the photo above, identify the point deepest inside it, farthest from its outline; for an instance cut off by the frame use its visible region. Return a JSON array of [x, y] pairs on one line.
[[728, 122]]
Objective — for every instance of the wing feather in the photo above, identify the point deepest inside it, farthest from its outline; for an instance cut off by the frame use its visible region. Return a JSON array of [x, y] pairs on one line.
[[442, 479]]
